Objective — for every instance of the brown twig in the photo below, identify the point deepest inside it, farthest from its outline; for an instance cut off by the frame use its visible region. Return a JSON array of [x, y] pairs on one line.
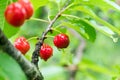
[[29, 69]]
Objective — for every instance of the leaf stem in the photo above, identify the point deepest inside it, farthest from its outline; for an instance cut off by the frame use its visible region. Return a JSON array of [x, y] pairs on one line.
[[67, 15], [49, 36], [56, 30], [41, 20]]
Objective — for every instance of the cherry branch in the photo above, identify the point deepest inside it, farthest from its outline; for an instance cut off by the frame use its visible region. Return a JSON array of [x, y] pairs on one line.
[[29, 69], [35, 56]]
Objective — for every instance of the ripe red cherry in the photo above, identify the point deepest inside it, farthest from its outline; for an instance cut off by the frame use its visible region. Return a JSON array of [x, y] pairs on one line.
[[61, 41], [22, 45], [15, 14], [28, 7], [46, 52]]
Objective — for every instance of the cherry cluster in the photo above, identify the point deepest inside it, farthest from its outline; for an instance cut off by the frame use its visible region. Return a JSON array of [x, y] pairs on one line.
[[60, 41], [16, 13]]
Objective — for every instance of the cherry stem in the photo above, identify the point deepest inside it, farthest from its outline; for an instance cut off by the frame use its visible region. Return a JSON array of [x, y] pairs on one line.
[[32, 38], [49, 18], [56, 30], [41, 20], [49, 36], [63, 51]]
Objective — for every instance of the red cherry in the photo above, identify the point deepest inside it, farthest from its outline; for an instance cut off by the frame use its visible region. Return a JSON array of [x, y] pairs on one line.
[[61, 41], [22, 45], [46, 52], [15, 14], [28, 7]]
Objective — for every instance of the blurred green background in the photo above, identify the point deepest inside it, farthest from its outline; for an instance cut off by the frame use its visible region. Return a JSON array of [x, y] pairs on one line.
[[100, 59]]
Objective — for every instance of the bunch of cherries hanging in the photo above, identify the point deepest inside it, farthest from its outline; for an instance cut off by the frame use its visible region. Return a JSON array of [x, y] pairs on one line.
[[15, 14]]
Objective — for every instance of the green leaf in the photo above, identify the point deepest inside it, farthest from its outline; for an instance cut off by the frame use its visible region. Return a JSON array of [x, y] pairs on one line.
[[3, 4], [94, 16], [76, 28], [103, 29], [105, 5], [9, 69], [106, 31], [39, 3], [88, 29], [84, 28]]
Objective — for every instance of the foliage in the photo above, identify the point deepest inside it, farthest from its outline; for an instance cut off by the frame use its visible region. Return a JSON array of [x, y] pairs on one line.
[[10, 71], [97, 21]]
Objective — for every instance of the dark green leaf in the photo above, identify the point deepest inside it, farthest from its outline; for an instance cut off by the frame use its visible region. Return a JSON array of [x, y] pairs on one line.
[[84, 28]]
